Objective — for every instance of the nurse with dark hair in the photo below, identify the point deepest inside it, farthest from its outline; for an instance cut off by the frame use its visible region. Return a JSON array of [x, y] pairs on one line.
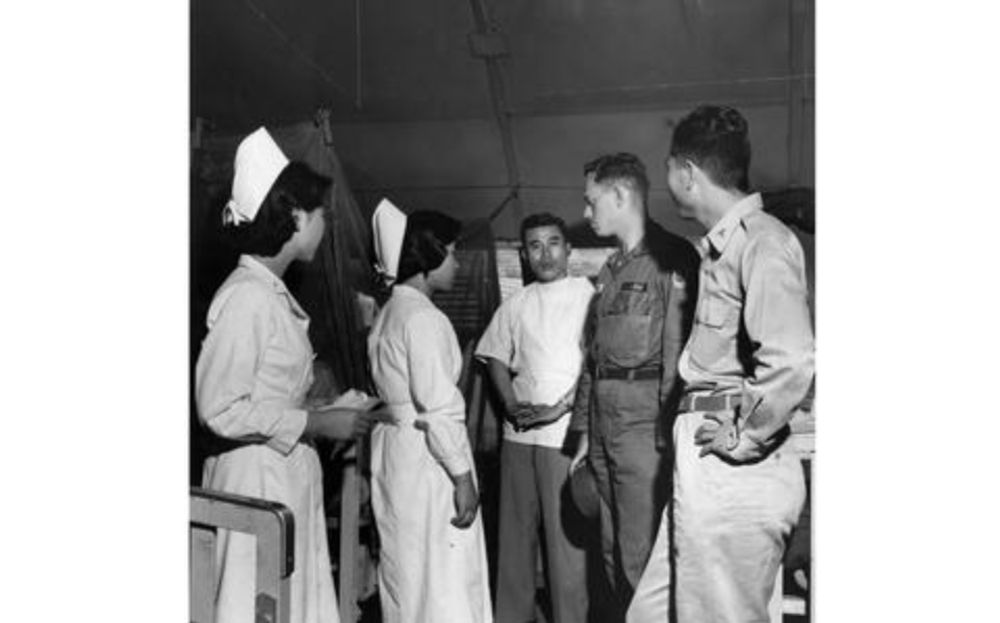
[[252, 376], [424, 492]]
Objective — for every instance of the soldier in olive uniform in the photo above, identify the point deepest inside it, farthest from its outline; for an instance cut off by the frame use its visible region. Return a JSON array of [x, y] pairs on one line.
[[638, 324]]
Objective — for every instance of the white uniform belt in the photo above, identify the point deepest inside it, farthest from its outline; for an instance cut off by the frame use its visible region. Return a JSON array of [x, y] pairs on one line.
[[403, 413]]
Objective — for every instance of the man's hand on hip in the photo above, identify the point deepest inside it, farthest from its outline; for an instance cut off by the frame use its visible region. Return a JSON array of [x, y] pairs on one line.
[[719, 434]]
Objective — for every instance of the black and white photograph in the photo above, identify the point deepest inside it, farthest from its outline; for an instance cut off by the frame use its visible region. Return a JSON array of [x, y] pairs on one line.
[[507, 306], [500, 311]]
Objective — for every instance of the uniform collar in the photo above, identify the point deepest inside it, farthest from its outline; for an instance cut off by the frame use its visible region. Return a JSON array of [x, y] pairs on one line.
[[719, 236], [263, 273], [621, 258], [401, 289]]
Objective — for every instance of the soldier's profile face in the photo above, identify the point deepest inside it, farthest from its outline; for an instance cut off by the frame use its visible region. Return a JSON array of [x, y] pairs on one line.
[[675, 187], [599, 206], [548, 252]]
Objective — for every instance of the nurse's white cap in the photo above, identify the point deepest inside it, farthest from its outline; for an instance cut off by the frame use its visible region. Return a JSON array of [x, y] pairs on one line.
[[258, 163], [388, 228]]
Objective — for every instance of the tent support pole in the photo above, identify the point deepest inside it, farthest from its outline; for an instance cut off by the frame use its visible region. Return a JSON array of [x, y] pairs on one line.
[[358, 101], [797, 16], [486, 30]]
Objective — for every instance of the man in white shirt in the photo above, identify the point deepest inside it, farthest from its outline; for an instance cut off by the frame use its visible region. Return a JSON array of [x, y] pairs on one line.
[[533, 349]]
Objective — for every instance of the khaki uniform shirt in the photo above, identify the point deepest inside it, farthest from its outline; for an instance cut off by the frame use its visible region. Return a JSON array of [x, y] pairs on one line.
[[752, 333]]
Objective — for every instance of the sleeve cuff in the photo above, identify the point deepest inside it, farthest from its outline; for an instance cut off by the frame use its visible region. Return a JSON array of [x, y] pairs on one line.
[[448, 444], [288, 430], [456, 465], [748, 448], [483, 354]]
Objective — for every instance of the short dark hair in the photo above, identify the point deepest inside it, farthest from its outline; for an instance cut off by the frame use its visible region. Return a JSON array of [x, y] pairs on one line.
[[425, 242], [716, 138], [620, 167], [542, 219], [297, 187]]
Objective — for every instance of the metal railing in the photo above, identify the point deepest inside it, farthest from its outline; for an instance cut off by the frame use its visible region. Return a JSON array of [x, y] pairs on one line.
[[274, 527]]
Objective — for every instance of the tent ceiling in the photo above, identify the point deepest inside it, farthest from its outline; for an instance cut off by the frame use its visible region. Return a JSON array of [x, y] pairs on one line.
[[257, 61]]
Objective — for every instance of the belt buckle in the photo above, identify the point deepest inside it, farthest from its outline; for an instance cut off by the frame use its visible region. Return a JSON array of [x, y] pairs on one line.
[[732, 401]]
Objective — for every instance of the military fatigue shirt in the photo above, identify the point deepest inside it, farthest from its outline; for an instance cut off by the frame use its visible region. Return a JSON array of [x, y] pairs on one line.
[[640, 316], [752, 333]]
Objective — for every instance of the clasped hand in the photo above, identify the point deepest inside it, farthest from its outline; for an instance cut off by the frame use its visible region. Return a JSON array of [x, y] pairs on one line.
[[525, 415]]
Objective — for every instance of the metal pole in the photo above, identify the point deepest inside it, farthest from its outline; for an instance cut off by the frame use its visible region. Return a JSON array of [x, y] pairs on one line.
[[480, 14], [357, 55], [797, 15]]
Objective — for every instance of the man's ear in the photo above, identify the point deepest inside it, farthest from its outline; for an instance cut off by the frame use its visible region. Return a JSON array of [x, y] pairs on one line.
[[689, 174], [299, 216], [619, 194]]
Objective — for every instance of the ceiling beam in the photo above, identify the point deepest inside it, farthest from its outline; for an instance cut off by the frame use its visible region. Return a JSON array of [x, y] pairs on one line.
[[746, 92]]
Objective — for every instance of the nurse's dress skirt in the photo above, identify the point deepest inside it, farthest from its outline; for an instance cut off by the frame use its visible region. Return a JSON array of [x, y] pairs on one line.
[[295, 481], [429, 570]]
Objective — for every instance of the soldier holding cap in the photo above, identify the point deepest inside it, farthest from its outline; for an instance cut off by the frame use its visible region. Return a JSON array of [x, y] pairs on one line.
[[638, 323]]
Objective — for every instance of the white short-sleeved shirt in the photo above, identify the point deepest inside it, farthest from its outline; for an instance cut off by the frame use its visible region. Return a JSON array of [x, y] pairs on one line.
[[538, 334]]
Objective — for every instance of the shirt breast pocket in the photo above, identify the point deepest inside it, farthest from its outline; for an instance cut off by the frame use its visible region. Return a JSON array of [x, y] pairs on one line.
[[717, 313], [625, 331], [718, 320]]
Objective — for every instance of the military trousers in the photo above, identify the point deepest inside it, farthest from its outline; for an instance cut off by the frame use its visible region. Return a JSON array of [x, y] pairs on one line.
[[632, 478]]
